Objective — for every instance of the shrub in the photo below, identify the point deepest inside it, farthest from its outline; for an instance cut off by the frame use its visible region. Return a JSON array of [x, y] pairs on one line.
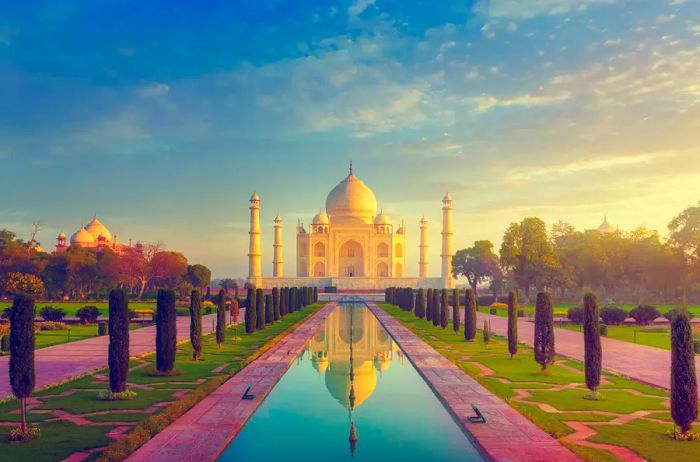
[[102, 328], [469, 315], [613, 315], [196, 324], [499, 305], [221, 318], [116, 396], [512, 323], [50, 326], [132, 314], [485, 300], [208, 310], [260, 308], [5, 343], [49, 313], [493, 311], [684, 387], [593, 355], [544, 330], [88, 314], [696, 346], [166, 333], [455, 310], [118, 340], [575, 314], [521, 313], [22, 377], [645, 314], [603, 330]]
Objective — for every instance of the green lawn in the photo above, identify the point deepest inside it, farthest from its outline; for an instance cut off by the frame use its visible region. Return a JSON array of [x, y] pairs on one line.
[[519, 382], [560, 310], [72, 307], [653, 336], [75, 332], [60, 439]]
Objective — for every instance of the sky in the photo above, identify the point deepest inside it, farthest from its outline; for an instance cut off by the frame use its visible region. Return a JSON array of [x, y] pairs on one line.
[[164, 117]]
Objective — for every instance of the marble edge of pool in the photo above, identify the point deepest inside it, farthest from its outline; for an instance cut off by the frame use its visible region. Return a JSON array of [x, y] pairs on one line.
[[506, 435], [205, 431]]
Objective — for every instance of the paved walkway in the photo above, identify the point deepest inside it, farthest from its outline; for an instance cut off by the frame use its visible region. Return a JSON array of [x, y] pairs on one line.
[[639, 362], [506, 435], [207, 429], [59, 363]]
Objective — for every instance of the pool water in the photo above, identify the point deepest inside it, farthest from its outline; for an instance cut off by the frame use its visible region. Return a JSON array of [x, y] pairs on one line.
[[309, 414]]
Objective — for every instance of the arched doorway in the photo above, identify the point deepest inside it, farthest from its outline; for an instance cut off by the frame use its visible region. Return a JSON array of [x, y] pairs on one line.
[[319, 269], [350, 259], [398, 270], [382, 270]]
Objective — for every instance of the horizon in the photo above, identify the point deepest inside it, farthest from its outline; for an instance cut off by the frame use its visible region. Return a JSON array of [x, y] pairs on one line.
[[167, 119]]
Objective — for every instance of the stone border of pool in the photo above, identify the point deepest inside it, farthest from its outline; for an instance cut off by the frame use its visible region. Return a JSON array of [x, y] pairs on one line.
[[506, 435], [205, 431]]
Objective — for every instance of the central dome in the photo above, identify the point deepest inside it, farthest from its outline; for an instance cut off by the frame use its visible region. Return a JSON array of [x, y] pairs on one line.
[[351, 202]]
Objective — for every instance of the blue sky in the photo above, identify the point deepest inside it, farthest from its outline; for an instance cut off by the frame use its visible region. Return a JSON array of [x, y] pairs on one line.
[[163, 117]]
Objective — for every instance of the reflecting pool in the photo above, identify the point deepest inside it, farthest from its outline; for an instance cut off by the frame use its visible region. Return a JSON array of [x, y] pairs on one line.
[[351, 379]]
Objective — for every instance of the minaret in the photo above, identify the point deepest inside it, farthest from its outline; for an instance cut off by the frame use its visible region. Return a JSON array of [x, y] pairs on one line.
[[277, 270], [254, 254], [447, 233], [423, 248]]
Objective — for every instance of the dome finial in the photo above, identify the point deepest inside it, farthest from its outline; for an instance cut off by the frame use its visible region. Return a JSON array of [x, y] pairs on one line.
[[351, 167]]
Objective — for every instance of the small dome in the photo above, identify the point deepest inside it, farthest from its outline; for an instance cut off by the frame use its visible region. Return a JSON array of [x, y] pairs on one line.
[[448, 197], [351, 202], [82, 237], [97, 229], [278, 219], [254, 197], [382, 219], [61, 235], [321, 218], [605, 227]]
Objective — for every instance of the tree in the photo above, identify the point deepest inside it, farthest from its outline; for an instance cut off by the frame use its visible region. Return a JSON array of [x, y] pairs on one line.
[[168, 269], [684, 235], [469, 315], [260, 307], [269, 310], [443, 308], [200, 276], [512, 323], [250, 311], [166, 332], [196, 324], [420, 304], [135, 266], [118, 340], [593, 353], [429, 309], [455, 310], [221, 318], [544, 330], [22, 283], [283, 302], [315, 294], [477, 263], [276, 304], [527, 252], [684, 386], [22, 353], [436, 307], [485, 331]]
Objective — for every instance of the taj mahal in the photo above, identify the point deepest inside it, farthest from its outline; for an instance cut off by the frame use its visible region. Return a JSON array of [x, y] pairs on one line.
[[350, 245]]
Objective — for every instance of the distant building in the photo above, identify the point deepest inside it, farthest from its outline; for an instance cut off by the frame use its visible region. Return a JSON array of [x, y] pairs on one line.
[[606, 228], [93, 236]]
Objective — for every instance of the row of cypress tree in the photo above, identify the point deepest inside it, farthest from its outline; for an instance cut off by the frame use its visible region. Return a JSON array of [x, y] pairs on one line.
[[262, 309]]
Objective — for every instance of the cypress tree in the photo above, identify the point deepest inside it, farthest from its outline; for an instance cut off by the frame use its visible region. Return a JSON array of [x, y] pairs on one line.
[[283, 302], [166, 333], [591, 337], [276, 304], [260, 309], [443, 308], [512, 323], [420, 304], [429, 306], [118, 352], [22, 353], [684, 386], [485, 331], [234, 312], [196, 324], [411, 300], [436, 307], [455, 310], [544, 330], [221, 318], [469, 315], [315, 294], [250, 312], [269, 310]]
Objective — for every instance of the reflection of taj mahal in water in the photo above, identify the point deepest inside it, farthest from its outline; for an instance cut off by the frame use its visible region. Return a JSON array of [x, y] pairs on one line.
[[372, 352], [350, 245]]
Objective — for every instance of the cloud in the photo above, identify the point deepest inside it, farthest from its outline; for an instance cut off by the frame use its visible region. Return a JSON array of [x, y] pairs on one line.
[[486, 103], [359, 6], [155, 89], [518, 9]]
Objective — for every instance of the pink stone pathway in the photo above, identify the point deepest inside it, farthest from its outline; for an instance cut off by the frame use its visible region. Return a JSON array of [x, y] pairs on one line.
[[639, 362], [207, 429], [506, 435], [59, 363]]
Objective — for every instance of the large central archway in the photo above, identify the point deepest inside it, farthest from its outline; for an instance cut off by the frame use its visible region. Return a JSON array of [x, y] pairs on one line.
[[350, 260]]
